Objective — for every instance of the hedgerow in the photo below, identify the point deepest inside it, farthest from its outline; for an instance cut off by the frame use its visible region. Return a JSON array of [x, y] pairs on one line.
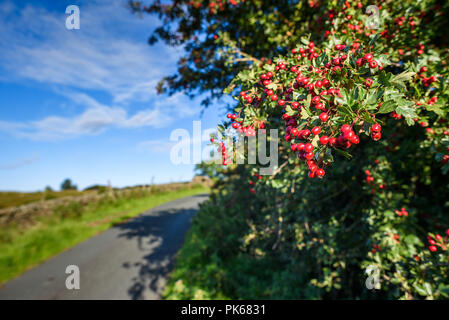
[[364, 148]]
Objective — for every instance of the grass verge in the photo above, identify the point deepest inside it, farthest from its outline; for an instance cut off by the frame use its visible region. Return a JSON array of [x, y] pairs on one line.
[[21, 249]]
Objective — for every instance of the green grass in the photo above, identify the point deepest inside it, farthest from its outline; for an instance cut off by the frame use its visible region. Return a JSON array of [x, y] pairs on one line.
[[21, 249]]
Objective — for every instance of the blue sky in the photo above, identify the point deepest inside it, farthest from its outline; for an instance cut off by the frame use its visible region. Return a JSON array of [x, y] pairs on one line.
[[82, 104]]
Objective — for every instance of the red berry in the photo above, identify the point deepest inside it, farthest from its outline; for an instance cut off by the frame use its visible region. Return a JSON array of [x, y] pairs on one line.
[[368, 82], [319, 106], [324, 116], [376, 127], [309, 155], [432, 248], [360, 62], [376, 136], [308, 147], [345, 128], [320, 172], [423, 69], [316, 131], [355, 139], [324, 140], [293, 147], [274, 97], [373, 64], [368, 57], [348, 135]]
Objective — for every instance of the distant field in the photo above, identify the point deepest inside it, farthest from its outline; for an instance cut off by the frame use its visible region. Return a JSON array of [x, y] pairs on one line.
[[14, 199], [23, 246]]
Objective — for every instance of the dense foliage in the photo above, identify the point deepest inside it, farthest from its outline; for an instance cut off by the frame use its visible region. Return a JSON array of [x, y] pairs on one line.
[[362, 188]]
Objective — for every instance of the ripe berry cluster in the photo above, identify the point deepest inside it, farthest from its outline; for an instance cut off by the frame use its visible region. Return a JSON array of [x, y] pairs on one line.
[[253, 183], [309, 96], [437, 241], [401, 212]]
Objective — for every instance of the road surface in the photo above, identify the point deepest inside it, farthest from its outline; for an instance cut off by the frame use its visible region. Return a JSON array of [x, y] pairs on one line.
[[129, 261]]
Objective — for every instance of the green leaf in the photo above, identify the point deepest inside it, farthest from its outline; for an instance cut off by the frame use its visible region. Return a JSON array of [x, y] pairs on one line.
[[304, 113], [315, 141], [399, 79], [345, 154], [387, 107], [384, 78], [309, 99], [408, 113], [269, 67], [272, 86], [290, 111], [436, 108], [371, 98]]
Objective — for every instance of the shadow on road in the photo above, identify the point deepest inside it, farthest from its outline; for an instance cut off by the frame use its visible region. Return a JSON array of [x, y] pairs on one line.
[[159, 236]]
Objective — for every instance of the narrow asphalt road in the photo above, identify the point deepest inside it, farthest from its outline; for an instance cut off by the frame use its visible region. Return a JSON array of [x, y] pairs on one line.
[[129, 261]]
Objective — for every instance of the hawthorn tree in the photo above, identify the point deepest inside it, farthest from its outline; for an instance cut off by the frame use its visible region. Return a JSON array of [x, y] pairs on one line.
[[364, 150]]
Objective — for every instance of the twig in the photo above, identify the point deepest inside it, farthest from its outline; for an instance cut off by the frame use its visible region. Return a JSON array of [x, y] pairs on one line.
[[279, 169]]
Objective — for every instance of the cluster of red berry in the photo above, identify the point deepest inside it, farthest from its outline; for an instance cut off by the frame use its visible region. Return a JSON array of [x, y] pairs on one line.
[[401, 212], [248, 130], [224, 155], [426, 81], [438, 241], [395, 238], [375, 132], [323, 94], [396, 116], [368, 58], [253, 183], [370, 179], [375, 248]]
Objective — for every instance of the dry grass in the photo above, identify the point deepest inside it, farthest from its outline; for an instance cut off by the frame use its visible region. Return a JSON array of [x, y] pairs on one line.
[[15, 199]]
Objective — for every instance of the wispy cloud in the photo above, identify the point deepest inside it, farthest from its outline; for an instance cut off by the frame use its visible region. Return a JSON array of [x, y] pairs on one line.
[[20, 163], [105, 55], [36, 45], [97, 118], [165, 145]]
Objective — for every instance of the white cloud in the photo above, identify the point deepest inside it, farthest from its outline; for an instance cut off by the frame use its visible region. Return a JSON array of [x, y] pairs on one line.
[[97, 118], [36, 45], [108, 54]]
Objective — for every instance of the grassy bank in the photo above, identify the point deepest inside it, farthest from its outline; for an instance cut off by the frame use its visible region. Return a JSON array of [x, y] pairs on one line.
[[14, 199], [23, 248]]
